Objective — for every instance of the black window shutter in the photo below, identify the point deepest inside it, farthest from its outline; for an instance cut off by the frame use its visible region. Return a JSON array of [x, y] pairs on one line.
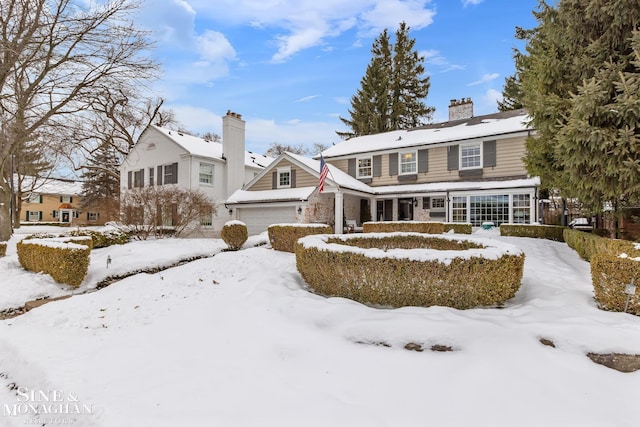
[[70, 199], [159, 175], [489, 153], [87, 216], [40, 215], [423, 161], [393, 164], [129, 183], [274, 180], [40, 198], [377, 165], [452, 157], [26, 215], [351, 167], [175, 173], [141, 177], [293, 178], [60, 199], [426, 203]]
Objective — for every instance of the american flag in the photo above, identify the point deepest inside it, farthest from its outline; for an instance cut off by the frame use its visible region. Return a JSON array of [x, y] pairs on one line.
[[324, 170]]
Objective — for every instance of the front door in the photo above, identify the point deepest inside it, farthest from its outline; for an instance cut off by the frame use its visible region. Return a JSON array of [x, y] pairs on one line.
[[65, 216], [405, 209]]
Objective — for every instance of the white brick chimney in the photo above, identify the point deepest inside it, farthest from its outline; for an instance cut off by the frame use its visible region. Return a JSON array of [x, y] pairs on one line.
[[462, 109], [233, 129]]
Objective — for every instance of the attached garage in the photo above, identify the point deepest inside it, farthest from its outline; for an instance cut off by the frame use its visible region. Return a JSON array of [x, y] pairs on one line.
[[258, 219]]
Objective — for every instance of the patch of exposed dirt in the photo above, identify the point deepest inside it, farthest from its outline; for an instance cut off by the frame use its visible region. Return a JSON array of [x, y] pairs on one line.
[[618, 361]]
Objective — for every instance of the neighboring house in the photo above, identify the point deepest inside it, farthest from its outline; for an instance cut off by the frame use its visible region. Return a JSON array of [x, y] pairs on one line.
[[164, 157], [467, 170], [56, 201]]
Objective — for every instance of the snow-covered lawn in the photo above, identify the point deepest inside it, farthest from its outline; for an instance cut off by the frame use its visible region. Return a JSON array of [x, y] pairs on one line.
[[237, 340]]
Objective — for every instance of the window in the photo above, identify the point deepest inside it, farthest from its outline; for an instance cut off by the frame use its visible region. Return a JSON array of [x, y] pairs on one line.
[[364, 168], [206, 174], [284, 177], [34, 215], [35, 198], [521, 208], [170, 174], [408, 163], [490, 208], [437, 203], [459, 209], [66, 199], [138, 178], [206, 216], [471, 156], [92, 216], [151, 177]]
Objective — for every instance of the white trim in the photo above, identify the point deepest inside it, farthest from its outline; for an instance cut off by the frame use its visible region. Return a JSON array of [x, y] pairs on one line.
[[283, 170], [370, 158], [415, 162], [471, 145]]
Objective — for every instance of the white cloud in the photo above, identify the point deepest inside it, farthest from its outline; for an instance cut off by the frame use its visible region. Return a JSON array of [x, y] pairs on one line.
[[214, 46], [303, 24], [484, 79], [342, 100], [492, 97], [433, 58], [261, 133], [466, 3], [307, 98]]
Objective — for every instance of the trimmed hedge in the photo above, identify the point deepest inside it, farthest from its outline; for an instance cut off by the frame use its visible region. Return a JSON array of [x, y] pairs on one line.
[[104, 239], [609, 274], [65, 261], [549, 232], [234, 234], [458, 227], [587, 244], [408, 226], [429, 227], [3, 249], [488, 273], [284, 236]]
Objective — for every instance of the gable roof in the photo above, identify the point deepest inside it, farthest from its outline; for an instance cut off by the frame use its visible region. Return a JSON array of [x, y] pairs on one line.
[[65, 187], [197, 146], [490, 125]]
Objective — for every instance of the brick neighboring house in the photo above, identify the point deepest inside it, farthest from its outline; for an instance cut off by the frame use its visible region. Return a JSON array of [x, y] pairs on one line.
[[56, 201], [468, 169]]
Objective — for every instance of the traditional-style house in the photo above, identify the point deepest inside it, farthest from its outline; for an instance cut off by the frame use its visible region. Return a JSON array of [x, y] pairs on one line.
[[468, 169], [50, 200], [164, 157]]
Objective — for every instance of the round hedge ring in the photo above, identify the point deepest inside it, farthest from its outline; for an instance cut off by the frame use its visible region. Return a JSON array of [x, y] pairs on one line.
[[411, 269]]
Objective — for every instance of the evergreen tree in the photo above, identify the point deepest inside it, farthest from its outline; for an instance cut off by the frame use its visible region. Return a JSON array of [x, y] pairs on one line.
[[393, 89], [572, 76], [101, 182], [511, 94]]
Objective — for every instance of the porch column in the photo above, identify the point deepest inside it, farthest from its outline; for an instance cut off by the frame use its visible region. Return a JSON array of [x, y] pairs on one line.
[[395, 208], [373, 207], [338, 212]]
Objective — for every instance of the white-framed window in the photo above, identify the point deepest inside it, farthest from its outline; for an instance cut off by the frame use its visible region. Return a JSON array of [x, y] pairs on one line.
[[92, 216], [471, 155], [206, 174], [34, 216], [365, 167], [206, 216], [521, 208], [65, 199], [459, 209], [437, 203], [284, 177], [408, 162], [35, 198], [138, 178], [151, 177], [170, 175]]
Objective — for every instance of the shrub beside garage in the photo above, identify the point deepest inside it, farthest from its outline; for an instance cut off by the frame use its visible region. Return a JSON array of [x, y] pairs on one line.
[[411, 269], [283, 236], [234, 233]]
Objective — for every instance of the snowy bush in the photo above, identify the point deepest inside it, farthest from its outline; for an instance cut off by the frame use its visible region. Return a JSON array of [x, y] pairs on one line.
[[66, 260], [549, 232], [458, 227], [234, 234], [283, 236], [409, 226], [411, 269], [610, 274], [103, 239]]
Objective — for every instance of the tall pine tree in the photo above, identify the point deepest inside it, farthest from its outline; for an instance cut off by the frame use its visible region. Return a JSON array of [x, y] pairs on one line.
[[572, 78], [393, 89], [101, 183]]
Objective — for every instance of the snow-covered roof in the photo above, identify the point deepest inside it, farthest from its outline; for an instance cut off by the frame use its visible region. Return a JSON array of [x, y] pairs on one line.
[[341, 178], [503, 123], [201, 147], [279, 195], [51, 186], [432, 187]]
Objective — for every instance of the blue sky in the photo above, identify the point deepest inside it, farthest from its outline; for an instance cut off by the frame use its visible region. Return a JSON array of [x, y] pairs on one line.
[[290, 67]]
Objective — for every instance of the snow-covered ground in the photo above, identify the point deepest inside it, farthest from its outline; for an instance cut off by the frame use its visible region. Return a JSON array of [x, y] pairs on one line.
[[237, 340]]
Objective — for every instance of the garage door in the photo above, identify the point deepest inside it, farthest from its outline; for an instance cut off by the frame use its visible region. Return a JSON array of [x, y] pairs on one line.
[[259, 219]]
